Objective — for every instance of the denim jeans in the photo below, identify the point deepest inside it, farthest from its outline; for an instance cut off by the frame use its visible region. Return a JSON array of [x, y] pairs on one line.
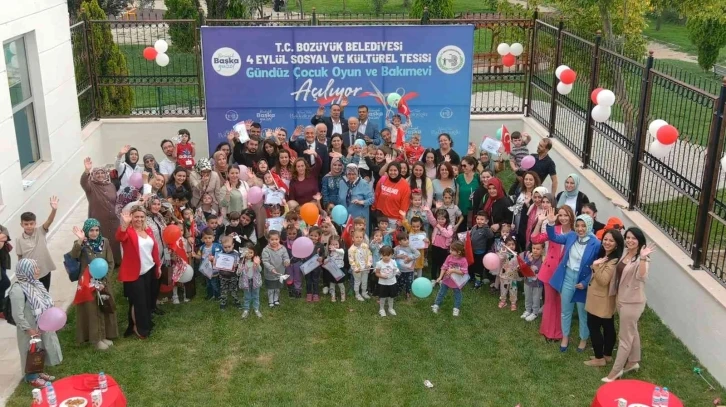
[[252, 295], [568, 291], [213, 289], [443, 289], [312, 282]]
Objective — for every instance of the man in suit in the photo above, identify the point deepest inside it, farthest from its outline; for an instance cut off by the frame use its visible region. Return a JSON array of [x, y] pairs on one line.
[[368, 128], [335, 123], [321, 134], [352, 134], [301, 145]]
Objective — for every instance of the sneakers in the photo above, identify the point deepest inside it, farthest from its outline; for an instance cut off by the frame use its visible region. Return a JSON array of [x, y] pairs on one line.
[[108, 342], [186, 299], [366, 296], [272, 305], [316, 298], [309, 298], [435, 309], [456, 312], [525, 315], [392, 311], [502, 303], [175, 300], [258, 313], [359, 298], [325, 290], [513, 307], [332, 298], [382, 313], [342, 297], [101, 346], [277, 303], [531, 317], [245, 314]]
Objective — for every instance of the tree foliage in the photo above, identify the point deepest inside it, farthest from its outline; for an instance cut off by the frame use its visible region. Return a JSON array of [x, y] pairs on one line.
[[708, 34], [107, 61], [437, 8], [227, 9], [378, 6], [182, 35]]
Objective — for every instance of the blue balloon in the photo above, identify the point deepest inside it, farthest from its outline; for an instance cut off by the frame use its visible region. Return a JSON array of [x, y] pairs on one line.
[[422, 287], [339, 214], [98, 268]]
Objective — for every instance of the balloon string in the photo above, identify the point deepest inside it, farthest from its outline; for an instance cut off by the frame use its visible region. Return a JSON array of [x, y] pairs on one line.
[[704, 379]]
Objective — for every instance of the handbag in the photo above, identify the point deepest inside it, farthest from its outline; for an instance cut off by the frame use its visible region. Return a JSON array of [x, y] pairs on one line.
[[108, 305], [73, 265], [116, 178], [35, 361]]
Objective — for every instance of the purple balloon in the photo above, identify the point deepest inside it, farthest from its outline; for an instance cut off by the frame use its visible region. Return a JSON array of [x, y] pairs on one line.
[[244, 173], [254, 195], [302, 247], [136, 180], [52, 319], [527, 162]]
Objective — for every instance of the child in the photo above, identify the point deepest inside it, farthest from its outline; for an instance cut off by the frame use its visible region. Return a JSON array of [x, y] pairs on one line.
[[273, 192], [179, 202], [406, 257], [185, 150], [386, 271], [250, 279], [233, 229], [497, 247], [509, 274], [274, 258], [312, 279], [228, 279], [356, 155], [455, 215], [247, 220], [33, 244], [519, 147], [443, 233], [375, 248], [204, 211], [414, 150], [189, 226], [359, 224], [178, 266], [213, 225], [416, 228], [416, 209], [328, 231], [455, 264], [482, 238], [532, 285], [294, 283], [397, 129], [336, 255], [361, 261], [206, 253], [383, 227]]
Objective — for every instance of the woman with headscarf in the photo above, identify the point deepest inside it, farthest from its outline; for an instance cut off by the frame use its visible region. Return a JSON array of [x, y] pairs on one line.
[[356, 194], [574, 272], [150, 165], [126, 164], [522, 205], [331, 184], [204, 180], [226, 149], [220, 165], [498, 204], [29, 300], [572, 196], [93, 325], [101, 196], [393, 193]]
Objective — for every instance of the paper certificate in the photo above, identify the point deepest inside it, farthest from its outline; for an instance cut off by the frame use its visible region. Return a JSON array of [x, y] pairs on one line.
[[416, 241], [459, 279], [224, 262], [491, 145], [462, 236], [334, 270], [275, 223], [241, 130], [310, 265]]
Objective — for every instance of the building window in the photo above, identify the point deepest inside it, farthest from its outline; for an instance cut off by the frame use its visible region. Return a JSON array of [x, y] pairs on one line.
[[21, 99]]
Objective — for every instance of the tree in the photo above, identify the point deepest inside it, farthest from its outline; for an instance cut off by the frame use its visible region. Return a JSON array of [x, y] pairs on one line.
[[378, 6], [708, 34], [109, 7], [437, 8], [108, 61], [182, 34], [227, 9]]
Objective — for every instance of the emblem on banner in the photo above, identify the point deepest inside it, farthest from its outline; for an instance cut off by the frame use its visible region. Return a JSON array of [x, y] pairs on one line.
[[450, 59], [226, 61]]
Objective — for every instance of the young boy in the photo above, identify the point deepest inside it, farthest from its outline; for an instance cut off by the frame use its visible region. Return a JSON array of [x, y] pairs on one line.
[[361, 261], [234, 229], [206, 255], [213, 225], [414, 150], [519, 147], [274, 260], [228, 279], [482, 238], [383, 227], [179, 202], [532, 286], [405, 257], [312, 278], [359, 224], [33, 244]]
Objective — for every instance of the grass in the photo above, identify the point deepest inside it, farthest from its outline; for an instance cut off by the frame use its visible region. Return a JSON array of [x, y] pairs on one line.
[[345, 354], [366, 6], [675, 35]]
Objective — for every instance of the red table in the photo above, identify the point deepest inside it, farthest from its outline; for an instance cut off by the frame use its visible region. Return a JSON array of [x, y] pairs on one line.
[[637, 394], [82, 385]]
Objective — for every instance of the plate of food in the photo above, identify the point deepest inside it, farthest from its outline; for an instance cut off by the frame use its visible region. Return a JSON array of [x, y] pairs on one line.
[[74, 402]]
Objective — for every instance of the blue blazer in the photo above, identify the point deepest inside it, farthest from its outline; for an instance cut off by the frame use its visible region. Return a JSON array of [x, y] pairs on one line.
[[585, 274]]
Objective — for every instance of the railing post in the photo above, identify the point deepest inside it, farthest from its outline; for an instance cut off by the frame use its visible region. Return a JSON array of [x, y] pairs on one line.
[[425, 16], [314, 19], [640, 134], [594, 80], [532, 65], [558, 61], [708, 186], [198, 53]]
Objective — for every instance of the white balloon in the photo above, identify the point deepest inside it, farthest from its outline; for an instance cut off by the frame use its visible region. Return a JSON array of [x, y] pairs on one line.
[[187, 275], [503, 49], [659, 150], [601, 113], [161, 46], [162, 59], [655, 125], [606, 98], [559, 70], [516, 49], [563, 88]]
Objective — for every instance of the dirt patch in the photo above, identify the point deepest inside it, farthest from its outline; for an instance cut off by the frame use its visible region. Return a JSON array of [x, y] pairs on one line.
[[264, 359], [227, 366], [664, 51]]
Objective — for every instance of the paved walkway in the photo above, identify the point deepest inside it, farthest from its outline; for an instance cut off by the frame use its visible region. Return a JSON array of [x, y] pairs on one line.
[[62, 290]]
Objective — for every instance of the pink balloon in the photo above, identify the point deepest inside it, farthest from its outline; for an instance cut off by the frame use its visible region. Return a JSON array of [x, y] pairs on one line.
[[136, 180], [527, 162], [491, 260], [254, 195], [302, 247], [244, 173], [52, 319]]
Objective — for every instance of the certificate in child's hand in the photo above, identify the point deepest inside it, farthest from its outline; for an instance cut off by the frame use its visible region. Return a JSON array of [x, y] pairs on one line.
[[224, 262], [417, 241], [275, 223], [459, 279], [310, 265], [334, 270]]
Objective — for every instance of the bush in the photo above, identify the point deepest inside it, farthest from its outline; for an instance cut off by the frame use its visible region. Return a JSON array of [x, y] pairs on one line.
[[437, 8], [378, 6], [709, 36], [182, 35]]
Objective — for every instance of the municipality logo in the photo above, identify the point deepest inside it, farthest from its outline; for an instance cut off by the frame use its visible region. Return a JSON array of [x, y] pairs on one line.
[[450, 59], [231, 116], [226, 61], [446, 113]]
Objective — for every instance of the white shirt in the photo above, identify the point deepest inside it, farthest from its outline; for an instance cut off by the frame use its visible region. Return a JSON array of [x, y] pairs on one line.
[[146, 245], [390, 268], [167, 166], [311, 146], [362, 127], [337, 127], [572, 203]]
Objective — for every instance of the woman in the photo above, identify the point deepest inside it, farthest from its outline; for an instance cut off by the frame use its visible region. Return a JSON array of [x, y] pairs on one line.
[[140, 265], [600, 304], [375, 164], [445, 152], [405, 170], [393, 194], [179, 182], [304, 185], [282, 144], [221, 164], [93, 325], [126, 164], [497, 205], [630, 276], [444, 179], [101, 196], [482, 193], [486, 162], [466, 183], [150, 165], [227, 150], [331, 184], [429, 160], [235, 198], [336, 147], [284, 167], [533, 213], [522, 206], [29, 299], [203, 180], [574, 273], [270, 152], [418, 180], [572, 196], [155, 184], [356, 194]]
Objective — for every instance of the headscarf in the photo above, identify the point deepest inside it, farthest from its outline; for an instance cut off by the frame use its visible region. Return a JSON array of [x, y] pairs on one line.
[[34, 291], [541, 191], [156, 164], [588, 227], [397, 166], [97, 243], [128, 158], [106, 176], [614, 223], [203, 165], [333, 161], [351, 168], [500, 194], [126, 196], [570, 194]]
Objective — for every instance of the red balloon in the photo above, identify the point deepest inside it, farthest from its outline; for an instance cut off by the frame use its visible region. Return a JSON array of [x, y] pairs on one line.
[[593, 95], [508, 60], [171, 235], [150, 53], [667, 135], [568, 76]]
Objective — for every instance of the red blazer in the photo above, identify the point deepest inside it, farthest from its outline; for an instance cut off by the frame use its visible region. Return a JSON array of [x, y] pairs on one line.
[[131, 262]]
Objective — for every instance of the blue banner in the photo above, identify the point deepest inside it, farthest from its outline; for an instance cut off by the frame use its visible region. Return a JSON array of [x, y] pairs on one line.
[[279, 76]]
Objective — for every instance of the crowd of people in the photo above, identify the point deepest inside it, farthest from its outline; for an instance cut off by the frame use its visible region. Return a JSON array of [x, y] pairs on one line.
[[410, 207]]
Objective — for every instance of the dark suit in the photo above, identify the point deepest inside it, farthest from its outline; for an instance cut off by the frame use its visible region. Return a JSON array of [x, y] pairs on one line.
[[347, 137], [373, 133], [329, 123], [301, 145]]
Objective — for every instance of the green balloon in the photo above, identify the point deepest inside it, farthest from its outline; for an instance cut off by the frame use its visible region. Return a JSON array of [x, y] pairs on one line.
[[393, 99], [499, 133], [422, 287]]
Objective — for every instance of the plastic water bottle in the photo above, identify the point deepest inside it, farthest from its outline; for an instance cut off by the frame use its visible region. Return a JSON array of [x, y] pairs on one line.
[[664, 395], [655, 402], [50, 395], [102, 383]]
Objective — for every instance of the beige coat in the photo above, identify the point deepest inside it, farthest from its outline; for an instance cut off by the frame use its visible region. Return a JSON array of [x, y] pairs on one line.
[[631, 288], [599, 301], [215, 187]]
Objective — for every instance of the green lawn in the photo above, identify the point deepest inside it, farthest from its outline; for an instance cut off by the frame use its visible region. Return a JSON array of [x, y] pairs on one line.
[[675, 35], [391, 6]]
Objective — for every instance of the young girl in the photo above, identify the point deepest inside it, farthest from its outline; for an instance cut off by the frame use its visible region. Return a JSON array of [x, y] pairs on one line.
[[327, 231], [250, 279], [440, 239], [190, 227], [274, 258], [312, 279], [336, 255], [204, 210], [455, 264], [455, 215], [415, 227], [357, 155], [532, 286], [509, 274], [294, 282], [361, 260], [416, 210], [497, 247], [274, 194], [284, 167], [387, 289], [359, 224], [413, 150], [185, 150], [398, 129]]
